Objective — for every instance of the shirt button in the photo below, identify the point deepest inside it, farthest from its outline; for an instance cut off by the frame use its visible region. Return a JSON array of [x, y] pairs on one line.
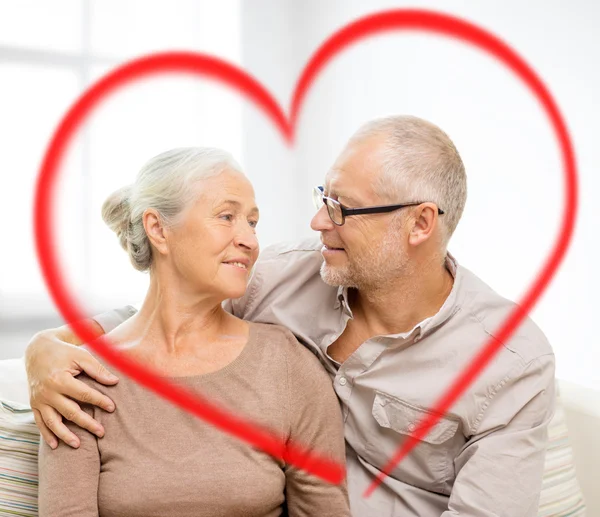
[[411, 427], [343, 381]]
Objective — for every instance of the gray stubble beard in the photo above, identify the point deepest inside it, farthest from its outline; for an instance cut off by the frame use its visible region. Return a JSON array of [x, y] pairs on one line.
[[370, 271]]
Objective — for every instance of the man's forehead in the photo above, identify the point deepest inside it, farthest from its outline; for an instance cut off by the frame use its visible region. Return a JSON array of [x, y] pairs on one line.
[[340, 185], [334, 180], [359, 158], [356, 168]]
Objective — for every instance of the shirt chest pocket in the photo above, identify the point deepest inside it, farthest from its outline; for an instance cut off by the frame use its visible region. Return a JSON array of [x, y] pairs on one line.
[[430, 464]]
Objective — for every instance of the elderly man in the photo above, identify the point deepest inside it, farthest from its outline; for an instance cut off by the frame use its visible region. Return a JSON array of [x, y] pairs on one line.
[[393, 318]]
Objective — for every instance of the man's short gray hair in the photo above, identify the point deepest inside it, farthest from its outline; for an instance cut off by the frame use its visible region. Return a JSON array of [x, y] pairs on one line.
[[420, 163], [168, 183]]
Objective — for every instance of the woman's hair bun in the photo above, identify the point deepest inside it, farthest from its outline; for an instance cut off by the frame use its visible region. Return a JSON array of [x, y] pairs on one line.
[[116, 213]]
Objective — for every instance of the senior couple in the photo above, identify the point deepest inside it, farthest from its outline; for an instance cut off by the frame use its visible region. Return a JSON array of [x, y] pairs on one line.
[[377, 312]]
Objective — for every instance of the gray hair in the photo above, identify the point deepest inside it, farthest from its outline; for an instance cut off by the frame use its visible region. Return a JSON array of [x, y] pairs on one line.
[[420, 163], [167, 183]]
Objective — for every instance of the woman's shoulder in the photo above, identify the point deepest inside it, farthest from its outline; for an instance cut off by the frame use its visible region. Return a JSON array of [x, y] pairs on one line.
[[105, 389], [277, 337], [269, 331], [279, 341]]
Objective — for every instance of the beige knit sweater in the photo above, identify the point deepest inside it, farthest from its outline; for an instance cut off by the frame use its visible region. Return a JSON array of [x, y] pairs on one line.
[[157, 460]]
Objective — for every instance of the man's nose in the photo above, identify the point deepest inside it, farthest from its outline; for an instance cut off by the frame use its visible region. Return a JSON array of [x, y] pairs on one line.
[[321, 221]]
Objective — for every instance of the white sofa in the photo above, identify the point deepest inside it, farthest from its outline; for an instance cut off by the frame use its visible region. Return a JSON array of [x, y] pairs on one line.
[[582, 408], [581, 405]]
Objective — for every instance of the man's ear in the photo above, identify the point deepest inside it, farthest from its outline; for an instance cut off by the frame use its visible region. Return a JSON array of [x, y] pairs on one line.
[[155, 230], [424, 223]]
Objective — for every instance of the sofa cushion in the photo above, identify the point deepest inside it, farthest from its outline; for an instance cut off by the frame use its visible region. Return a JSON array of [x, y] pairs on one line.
[[561, 494], [19, 442]]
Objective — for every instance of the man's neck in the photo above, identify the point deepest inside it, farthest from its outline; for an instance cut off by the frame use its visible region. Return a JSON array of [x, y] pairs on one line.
[[403, 302]]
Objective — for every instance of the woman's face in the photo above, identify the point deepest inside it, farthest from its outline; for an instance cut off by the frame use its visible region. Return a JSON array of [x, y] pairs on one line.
[[214, 247]]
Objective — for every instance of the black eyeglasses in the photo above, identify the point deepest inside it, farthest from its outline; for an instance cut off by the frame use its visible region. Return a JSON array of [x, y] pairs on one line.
[[338, 212]]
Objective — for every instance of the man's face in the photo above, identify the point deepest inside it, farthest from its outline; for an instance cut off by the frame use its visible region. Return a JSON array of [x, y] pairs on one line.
[[368, 250]]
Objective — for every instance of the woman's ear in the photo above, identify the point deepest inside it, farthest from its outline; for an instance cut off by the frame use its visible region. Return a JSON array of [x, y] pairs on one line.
[[155, 230]]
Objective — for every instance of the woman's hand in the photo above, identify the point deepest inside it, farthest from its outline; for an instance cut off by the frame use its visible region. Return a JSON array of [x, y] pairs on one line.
[[52, 363]]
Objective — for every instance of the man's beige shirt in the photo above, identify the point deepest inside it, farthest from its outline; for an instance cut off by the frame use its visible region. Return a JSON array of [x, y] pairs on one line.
[[484, 457]]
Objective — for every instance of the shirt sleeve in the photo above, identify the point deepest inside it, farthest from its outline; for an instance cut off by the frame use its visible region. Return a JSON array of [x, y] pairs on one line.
[[280, 271], [500, 469], [112, 319], [315, 424], [68, 478]]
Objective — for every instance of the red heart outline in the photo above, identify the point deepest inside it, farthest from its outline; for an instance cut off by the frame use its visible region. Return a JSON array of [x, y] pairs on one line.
[[229, 75]]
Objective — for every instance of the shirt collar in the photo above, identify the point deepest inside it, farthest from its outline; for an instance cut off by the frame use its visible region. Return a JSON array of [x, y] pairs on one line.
[[341, 300], [449, 307], [451, 304]]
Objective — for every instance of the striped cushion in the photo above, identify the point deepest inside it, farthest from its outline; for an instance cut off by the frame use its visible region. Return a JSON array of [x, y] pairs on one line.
[[19, 442], [561, 495]]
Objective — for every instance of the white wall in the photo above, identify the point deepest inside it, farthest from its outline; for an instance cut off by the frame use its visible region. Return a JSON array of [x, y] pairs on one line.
[[515, 179], [514, 167], [268, 54]]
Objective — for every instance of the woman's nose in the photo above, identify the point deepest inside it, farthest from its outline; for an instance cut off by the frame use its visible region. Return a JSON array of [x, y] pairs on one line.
[[247, 239]]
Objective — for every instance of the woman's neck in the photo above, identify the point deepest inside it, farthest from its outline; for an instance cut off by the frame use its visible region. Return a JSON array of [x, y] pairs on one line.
[[173, 319]]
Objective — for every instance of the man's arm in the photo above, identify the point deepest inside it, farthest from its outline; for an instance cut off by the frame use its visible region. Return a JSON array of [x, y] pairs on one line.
[[499, 472], [53, 360]]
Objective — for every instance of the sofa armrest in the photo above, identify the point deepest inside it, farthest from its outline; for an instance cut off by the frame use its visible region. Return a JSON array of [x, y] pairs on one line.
[[13, 382], [582, 413]]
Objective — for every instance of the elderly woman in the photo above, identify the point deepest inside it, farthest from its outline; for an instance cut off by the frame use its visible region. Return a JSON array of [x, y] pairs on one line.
[[190, 220]]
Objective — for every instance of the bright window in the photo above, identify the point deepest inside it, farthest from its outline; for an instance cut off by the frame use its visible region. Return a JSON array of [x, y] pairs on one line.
[[49, 54]]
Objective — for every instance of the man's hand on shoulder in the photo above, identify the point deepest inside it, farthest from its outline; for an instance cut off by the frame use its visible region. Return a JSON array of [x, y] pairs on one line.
[[52, 362]]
